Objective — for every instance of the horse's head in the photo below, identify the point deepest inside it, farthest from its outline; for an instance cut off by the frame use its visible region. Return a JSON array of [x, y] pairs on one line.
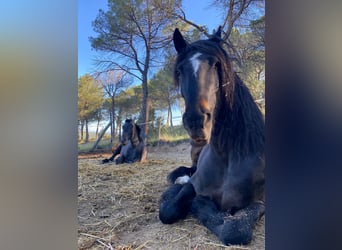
[[198, 72], [127, 131]]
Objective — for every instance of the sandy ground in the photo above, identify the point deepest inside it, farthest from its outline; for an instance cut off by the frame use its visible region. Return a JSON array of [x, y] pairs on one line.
[[118, 206]]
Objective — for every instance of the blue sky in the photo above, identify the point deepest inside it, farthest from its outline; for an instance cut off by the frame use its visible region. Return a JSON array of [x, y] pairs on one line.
[[196, 10]]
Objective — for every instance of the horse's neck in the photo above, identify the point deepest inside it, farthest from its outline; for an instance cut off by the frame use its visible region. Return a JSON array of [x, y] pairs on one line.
[[238, 128], [220, 135]]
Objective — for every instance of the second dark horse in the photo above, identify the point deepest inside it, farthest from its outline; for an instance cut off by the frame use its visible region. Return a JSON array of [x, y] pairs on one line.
[[131, 148]]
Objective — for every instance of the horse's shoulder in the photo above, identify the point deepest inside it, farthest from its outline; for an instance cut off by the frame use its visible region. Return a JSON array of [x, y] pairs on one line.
[[248, 164], [209, 158], [210, 171]]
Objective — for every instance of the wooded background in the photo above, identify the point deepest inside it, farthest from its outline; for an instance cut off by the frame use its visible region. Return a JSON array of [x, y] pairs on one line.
[[133, 76]]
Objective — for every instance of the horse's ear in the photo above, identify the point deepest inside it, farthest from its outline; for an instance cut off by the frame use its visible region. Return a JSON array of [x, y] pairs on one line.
[[178, 41], [216, 37]]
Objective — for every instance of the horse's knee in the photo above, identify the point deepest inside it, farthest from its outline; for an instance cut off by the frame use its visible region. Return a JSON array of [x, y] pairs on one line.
[[169, 213], [236, 231], [203, 208], [175, 203], [167, 208]]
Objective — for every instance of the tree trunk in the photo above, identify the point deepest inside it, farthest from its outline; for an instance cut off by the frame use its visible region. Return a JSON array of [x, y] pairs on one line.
[[159, 129], [145, 101], [170, 110], [97, 128], [118, 124], [145, 109], [120, 133], [168, 118], [100, 137], [169, 115], [82, 126], [113, 120], [87, 132], [111, 126], [151, 118]]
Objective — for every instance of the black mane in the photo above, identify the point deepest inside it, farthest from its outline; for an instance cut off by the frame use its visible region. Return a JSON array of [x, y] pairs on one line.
[[242, 122]]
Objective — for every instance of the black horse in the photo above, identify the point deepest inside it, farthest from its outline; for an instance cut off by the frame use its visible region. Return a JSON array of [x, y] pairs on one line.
[[131, 148], [224, 189]]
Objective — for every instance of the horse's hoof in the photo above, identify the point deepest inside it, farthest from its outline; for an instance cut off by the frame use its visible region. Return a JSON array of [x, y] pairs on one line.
[[236, 231], [105, 161]]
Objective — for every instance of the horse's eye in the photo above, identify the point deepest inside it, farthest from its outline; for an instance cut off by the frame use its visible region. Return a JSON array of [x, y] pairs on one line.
[[217, 64]]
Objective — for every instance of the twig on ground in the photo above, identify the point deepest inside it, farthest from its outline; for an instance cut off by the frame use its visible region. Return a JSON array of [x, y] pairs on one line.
[[104, 244], [142, 245], [93, 236]]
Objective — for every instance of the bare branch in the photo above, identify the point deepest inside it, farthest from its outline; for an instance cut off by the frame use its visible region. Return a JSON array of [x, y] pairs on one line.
[[108, 65], [183, 18]]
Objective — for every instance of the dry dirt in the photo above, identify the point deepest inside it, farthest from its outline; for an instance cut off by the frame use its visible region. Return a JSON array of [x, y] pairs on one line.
[[118, 206]]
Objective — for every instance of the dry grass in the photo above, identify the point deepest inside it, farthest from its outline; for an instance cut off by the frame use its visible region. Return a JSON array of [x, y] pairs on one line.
[[118, 206]]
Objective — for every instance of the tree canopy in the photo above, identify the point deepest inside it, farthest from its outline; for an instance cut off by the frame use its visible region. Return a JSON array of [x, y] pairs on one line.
[[90, 100], [132, 33], [90, 97], [135, 38]]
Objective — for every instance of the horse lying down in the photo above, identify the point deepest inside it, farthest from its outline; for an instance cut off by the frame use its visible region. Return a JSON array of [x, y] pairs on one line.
[[224, 188], [131, 148]]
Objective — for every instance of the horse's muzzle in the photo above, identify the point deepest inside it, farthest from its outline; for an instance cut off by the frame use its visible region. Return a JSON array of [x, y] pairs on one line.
[[195, 126]]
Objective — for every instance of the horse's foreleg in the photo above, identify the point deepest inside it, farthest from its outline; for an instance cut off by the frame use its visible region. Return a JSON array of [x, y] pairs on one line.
[[238, 229], [105, 161], [179, 173], [233, 229], [116, 152], [175, 203], [207, 213], [109, 159]]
